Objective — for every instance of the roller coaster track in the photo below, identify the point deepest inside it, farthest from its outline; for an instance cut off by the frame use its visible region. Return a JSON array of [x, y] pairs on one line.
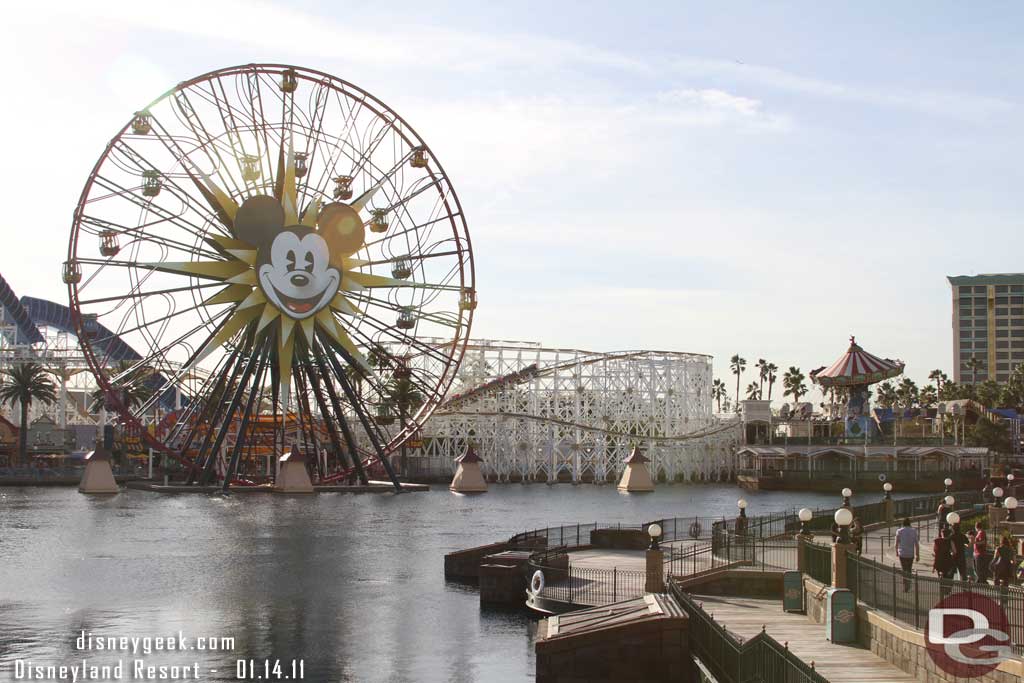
[[717, 429]]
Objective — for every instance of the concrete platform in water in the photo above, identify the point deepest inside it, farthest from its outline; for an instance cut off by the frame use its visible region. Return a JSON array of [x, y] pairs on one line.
[[371, 487]]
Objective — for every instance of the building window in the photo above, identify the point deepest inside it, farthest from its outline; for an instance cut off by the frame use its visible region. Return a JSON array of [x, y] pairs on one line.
[[1002, 355], [965, 355], [1002, 333], [1002, 377], [979, 289], [1002, 300], [1015, 333], [964, 289], [1017, 299], [1001, 311], [1018, 355], [1002, 344], [1017, 288], [981, 343], [1002, 289], [1017, 311]]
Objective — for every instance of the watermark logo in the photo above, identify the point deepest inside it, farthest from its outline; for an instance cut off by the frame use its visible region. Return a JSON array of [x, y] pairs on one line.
[[967, 634]]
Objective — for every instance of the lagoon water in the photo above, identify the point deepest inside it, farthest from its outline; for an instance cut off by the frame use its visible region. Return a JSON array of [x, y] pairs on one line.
[[351, 584]]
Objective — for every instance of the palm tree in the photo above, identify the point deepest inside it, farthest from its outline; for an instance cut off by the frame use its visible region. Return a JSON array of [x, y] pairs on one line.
[[940, 378], [762, 374], [753, 392], [773, 369], [973, 365], [928, 397], [886, 394], [27, 382], [737, 365], [793, 382], [406, 397], [906, 393], [718, 392]]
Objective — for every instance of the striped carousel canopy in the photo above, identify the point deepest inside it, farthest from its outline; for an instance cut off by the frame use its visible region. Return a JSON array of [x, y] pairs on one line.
[[855, 367]]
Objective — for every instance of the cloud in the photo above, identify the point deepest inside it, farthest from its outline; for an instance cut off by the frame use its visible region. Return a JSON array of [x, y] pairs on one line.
[[950, 104]]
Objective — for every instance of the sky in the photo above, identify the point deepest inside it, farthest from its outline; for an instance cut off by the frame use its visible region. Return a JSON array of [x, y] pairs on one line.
[[755, 178]]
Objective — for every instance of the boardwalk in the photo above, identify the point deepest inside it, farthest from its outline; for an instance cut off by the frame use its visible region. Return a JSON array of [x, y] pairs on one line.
[[745, 618]]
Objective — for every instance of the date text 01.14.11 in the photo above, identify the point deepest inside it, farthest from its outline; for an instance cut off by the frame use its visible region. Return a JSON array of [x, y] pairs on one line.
[[270, 669]]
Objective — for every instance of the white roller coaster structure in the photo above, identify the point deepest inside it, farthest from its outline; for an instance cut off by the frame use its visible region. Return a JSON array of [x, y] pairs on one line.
[[542, 414]]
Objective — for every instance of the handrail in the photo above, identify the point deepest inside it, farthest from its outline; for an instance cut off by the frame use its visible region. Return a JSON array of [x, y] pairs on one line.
[[732, 660]]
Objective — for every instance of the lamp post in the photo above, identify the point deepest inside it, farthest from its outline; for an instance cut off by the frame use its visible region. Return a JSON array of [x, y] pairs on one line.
[[997, 493], [949, 501], [843, 518], [846, 497], [654, 531], [953, 520], [948, 482], [805, 516], [1009, 483], [887, 487], [741, 521], [1011, 507]]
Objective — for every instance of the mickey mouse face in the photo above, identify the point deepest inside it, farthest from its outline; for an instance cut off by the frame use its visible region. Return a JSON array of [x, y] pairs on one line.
[[297, 265]]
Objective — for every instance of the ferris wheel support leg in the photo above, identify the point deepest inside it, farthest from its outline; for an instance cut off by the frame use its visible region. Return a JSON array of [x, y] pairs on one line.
[[354, 400], [229, 415], [340, 415], [321, 404], [209, 416], [236, 452]]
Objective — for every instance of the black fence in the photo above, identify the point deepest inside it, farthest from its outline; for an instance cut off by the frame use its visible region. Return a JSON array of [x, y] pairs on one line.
[[760, 658], [575, 535], [590, 586], [908, 596], [817, 562]]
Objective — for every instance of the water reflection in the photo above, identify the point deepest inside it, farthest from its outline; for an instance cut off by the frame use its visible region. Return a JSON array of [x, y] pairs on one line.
[[351, 584]]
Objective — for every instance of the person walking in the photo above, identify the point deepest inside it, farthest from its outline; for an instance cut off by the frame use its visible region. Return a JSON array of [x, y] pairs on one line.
[[942, 549], [980, 548], [908, 549], [1002, 564], [941, 514], [857, 535], [958, 551]]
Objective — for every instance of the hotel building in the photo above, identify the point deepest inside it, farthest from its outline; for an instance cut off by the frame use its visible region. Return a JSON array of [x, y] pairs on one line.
[[988, 325]]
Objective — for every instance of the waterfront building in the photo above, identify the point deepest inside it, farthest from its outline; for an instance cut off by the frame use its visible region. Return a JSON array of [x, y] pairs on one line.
[[988, 326]]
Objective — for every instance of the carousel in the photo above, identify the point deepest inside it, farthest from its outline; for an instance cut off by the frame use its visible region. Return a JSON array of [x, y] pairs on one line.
[[850, 376]]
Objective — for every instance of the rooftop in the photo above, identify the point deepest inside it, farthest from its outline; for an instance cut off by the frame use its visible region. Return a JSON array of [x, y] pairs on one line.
[[987, 279]]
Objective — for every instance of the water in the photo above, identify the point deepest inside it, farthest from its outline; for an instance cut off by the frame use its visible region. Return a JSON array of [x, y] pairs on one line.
[[351, 584]]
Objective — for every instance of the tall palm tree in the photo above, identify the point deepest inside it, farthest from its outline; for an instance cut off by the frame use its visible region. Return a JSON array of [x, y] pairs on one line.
[[886, 394], [406, 397], [906, 393], [718, 392], [737, 365], [939, 377], [973, 365], [23, 384], [762, 373], [753, 392], [773, 370], [793, 382]]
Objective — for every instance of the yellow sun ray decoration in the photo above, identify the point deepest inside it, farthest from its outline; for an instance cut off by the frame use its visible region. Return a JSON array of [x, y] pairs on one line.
[[286, 269]]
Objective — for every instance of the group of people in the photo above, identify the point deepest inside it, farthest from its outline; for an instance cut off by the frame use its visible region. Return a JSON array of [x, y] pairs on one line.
[[956, 554]]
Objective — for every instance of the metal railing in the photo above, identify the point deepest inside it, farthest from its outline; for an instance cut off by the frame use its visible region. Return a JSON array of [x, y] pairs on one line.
[[575, 535], [591, 586], [908, 596], [817, 562], [730, 660]]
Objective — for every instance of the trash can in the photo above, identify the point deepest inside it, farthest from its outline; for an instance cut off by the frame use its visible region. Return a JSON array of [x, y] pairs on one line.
[[793, 591], [840, 616]]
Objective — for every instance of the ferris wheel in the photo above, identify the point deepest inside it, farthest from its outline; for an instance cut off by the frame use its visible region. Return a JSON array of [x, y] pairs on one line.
[[269, 257]]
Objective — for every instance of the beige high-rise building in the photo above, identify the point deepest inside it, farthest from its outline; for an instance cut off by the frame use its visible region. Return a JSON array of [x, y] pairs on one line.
[[988, 326]]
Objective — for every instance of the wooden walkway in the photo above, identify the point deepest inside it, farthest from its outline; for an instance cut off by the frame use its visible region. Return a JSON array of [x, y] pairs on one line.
[[745, 618]]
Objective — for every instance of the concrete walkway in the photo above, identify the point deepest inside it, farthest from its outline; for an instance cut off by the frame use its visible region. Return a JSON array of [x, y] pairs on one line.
[[745, 617]]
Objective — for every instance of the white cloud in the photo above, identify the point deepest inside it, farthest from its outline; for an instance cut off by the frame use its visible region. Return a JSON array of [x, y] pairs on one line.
[[951, 104]]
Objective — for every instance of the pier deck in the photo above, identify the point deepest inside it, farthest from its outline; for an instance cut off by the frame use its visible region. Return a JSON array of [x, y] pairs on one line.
[[745, 617]]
